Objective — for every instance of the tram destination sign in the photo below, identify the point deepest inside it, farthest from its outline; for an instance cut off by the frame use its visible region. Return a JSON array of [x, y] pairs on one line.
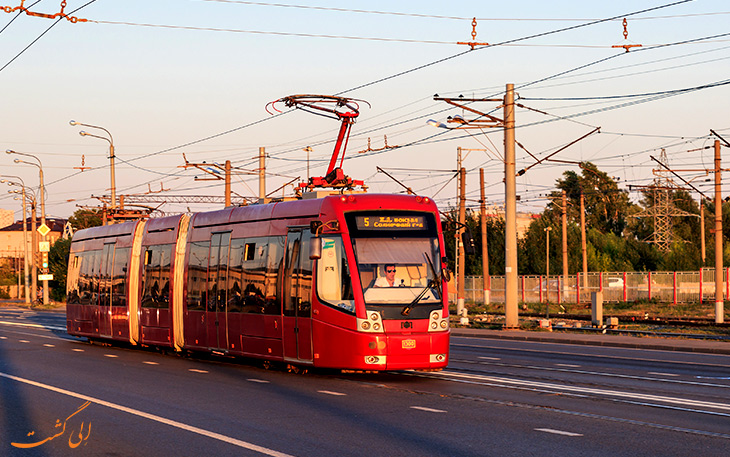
[[391, 223]]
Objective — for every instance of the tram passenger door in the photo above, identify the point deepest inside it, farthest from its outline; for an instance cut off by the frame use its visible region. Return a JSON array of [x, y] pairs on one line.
[[297, 293], [216, 317], [105, 290]]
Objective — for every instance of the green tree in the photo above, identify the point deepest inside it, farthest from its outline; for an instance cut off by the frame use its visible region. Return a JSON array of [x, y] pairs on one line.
[[58, 264], [85, 218], [495, 242], [606, 206]]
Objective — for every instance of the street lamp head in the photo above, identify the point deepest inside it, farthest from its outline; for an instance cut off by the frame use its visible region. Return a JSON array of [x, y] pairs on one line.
[[434, 123], [9, 151], [72, 122], [82, 133], [16, 160]]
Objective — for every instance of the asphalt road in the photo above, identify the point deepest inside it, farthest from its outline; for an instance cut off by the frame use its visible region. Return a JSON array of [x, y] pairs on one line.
[[63, 396]]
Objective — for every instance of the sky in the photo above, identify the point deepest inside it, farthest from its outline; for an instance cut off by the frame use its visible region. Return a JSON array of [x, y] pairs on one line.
[[194, 77]]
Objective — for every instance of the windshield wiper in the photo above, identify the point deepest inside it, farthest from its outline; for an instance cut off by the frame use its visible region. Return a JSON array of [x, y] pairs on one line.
[[435, 276], [431, 283], [415, 301]]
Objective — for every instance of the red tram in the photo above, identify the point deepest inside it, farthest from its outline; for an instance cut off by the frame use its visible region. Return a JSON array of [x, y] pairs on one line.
[[291, 281]]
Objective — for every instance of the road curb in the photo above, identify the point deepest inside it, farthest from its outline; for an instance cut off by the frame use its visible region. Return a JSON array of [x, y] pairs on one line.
[[651, 343]]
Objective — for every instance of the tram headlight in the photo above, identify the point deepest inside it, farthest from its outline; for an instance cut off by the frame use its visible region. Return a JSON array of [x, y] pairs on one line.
[[374, 316], [435, 315], [376, 326], [365, 325], [444, 324], [434, 325]]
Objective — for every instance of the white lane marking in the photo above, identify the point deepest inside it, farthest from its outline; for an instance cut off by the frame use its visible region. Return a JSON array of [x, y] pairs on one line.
[[23, 341], [160, 419], [567, 365], [685, 402], [609, 375], [489, 358], [3, 337], [262, 381], [558, 432], [77, 350], [329, 392], [428, 410], [657, 373], [49, 345], [48, 327], [111, 356], [150, 363], [195, 370]]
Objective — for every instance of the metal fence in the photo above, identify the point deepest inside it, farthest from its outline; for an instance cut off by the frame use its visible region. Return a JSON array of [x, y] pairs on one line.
[[662, 286]]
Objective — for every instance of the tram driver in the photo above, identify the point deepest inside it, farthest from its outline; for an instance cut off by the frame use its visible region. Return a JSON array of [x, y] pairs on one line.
[[389, 279]]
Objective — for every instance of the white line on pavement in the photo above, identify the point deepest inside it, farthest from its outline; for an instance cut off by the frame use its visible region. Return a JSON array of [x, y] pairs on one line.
[[160, 419], [558, 432]]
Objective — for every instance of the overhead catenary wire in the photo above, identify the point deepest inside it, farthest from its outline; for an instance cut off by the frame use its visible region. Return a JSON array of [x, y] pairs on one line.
[[206, 138]]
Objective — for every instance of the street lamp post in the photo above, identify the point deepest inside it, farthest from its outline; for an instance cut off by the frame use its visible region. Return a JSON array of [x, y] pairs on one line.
[[25, 235], [43, 211], [110, 140]]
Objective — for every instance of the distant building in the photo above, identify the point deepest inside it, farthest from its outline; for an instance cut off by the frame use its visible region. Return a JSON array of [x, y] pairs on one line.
[[523, 220], [11, 236], [6, 217]]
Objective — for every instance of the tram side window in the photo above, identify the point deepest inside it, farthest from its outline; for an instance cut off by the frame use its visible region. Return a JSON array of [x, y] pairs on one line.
[[298, 276], [156, 277], [253, 277], [274, 274], [72, 280], [305, 277], [198, 275], [95, 276], [86, 259], [119, 277], [334, 286], [235, 300]]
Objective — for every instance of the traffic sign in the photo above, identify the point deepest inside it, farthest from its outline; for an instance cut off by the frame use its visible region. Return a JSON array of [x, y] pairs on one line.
[[48, 277], [43, 229], [44, 246]]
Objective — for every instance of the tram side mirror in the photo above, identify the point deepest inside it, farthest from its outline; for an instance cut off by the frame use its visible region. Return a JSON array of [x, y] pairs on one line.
[[315, 227], [445, 272], [315, 248]]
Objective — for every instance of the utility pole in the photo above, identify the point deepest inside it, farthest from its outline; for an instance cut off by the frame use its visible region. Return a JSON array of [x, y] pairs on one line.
[[510, 211], [460, 308], [583, 247], [262, 175], [210, 169], [486, 280], [565, 245], [487, 120], [228, 184], [702, 229], [28, 301], [547, 269], [34, 252], [719, 311]]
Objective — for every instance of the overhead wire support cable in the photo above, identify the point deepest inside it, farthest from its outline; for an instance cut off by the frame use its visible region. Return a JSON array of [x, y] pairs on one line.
[[419, 68], [42, 34]]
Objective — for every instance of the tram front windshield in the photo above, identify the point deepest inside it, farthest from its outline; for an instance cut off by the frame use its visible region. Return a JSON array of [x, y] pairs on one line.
[[398, 267]]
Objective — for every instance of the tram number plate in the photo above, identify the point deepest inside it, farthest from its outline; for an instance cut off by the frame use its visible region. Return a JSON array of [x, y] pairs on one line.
[[408, 344]]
